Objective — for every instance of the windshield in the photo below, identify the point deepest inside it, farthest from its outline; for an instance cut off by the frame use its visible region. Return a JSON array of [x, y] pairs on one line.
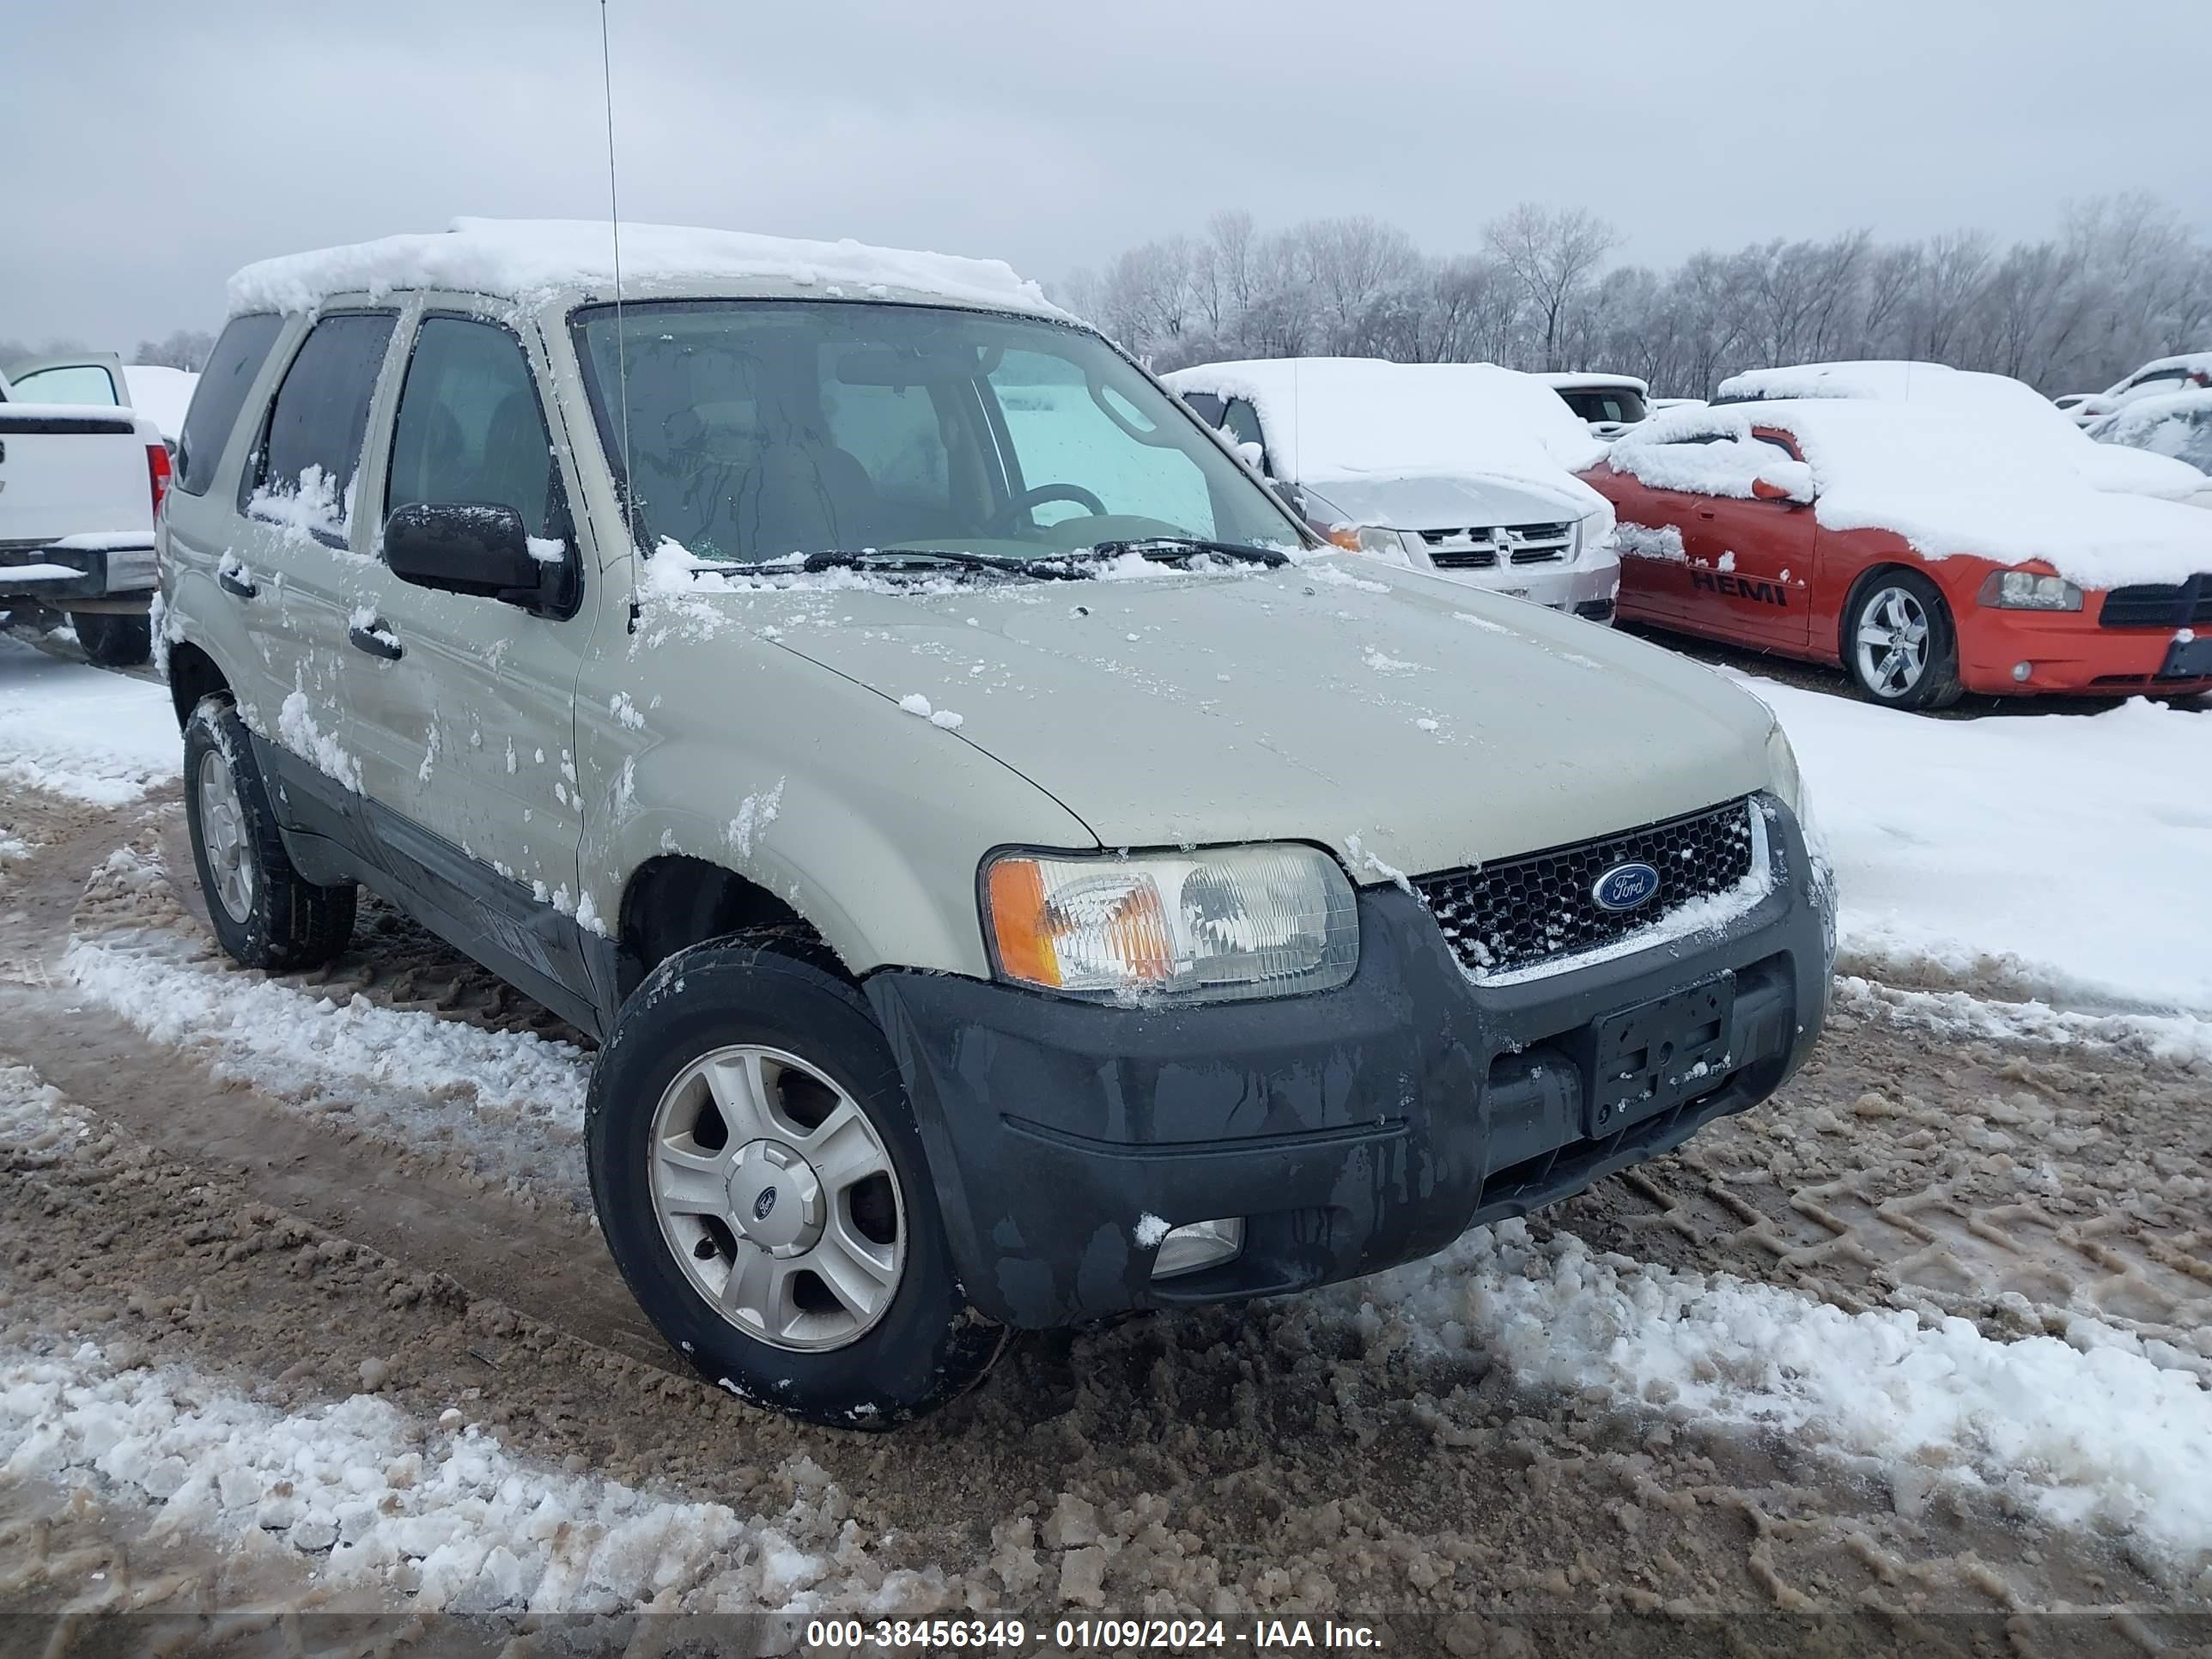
[[762, 428]]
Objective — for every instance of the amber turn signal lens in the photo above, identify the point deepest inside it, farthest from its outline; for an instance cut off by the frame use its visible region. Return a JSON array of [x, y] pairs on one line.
[[1017, 923], [1345, 536]]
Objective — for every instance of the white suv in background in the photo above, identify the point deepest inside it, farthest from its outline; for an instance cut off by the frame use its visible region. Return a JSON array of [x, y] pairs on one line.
[[1464, 469]]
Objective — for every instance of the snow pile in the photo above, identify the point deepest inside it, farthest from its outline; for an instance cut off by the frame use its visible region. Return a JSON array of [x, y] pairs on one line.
[[533, 259], [2064, 854], [77, 732], [1948, 484], [2090, 1429], [446, 1517], [1358, 419], [2173, 1040], [513, 1099]]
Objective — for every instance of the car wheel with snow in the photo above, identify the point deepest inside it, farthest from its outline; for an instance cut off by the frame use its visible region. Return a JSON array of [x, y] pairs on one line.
[[113, 642], [1899, 643], [264, 913], [763, 1187]]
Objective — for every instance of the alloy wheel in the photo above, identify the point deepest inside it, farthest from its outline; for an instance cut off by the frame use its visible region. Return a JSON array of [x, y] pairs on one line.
[[1892, 642], [222, 835], [775, 1194]]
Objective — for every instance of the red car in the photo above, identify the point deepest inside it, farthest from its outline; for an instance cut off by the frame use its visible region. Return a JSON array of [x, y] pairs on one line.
[[1920, 552]]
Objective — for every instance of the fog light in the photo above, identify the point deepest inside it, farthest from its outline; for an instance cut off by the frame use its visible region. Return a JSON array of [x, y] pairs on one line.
[[2020, 671], [1200, 1244]]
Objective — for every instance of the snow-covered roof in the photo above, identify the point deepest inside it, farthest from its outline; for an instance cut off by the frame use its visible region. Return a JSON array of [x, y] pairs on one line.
[[1576, 381], [1336, 420], [1999, 404], [533, 260], [1949, 482]]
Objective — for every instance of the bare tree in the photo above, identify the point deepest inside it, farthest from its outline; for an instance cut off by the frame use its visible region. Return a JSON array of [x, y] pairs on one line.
[[187, 349], [1553, 256]]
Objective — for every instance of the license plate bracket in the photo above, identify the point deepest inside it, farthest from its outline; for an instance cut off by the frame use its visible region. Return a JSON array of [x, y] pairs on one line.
[[2188, 659], [1658, 1055]]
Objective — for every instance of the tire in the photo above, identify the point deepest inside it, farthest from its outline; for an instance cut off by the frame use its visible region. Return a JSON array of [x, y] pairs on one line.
[[1900, 646], [701, 1209], [264, 913], [113, 642]]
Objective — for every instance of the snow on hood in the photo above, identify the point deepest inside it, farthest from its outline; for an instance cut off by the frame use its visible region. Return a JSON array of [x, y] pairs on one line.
[[1344, 420], [527, 259], [1414, 724], [1999, 404], [1460, 503], [1944, 482], [1584, 380]]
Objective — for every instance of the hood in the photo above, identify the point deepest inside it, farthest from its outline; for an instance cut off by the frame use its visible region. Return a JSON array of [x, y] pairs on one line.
[[1459, 501], [1408, 722]]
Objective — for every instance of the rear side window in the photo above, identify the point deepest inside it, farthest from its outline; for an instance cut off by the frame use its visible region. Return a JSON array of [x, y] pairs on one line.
[[470, 429], [1209, 407], [237, 358], [68, 383], [310, 448]]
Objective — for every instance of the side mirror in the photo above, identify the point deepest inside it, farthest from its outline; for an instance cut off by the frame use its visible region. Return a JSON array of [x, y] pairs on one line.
[[1784, 481], [475, 548]]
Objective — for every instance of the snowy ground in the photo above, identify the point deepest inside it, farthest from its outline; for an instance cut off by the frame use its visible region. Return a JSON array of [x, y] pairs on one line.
[[304, 1306], [2062, 857]]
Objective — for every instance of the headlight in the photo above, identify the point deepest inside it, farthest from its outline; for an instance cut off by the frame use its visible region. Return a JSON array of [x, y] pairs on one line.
[[1784, 778], [1215, 926], [2023, 590], [1375, 538]]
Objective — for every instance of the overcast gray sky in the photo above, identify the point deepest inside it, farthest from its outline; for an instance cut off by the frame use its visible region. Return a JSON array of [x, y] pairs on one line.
[[152, 148]]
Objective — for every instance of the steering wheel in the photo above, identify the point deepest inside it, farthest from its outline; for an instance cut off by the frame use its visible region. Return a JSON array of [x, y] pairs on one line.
[[1003, 521]]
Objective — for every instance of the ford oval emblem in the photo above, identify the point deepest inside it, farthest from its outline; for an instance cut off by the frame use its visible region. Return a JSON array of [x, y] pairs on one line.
[[763, 1204], [1625, 886]]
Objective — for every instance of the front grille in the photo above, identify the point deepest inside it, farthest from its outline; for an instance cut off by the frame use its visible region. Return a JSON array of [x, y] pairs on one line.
[[2160, 604], [1513, 915], [1485, 547]]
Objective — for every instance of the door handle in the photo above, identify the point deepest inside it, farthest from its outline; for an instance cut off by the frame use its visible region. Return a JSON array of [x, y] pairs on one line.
[[374, 637], [1704, 512], [236, 582]]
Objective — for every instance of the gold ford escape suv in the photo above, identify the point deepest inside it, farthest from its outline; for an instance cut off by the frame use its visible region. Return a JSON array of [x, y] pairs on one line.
[[1015, 875]]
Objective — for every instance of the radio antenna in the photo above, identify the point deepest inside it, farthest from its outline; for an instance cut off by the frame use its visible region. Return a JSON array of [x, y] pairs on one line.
[[614, 224]]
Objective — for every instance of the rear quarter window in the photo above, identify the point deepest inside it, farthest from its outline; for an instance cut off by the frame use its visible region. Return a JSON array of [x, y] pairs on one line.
[[221, 394]]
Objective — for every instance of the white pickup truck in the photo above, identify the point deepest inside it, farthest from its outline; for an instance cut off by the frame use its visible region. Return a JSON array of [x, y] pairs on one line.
[[82, 478]]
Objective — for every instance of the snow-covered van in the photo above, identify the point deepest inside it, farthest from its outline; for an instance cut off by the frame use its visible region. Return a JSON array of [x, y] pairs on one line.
[[82, 480], [1463, 468], [1016, 874]]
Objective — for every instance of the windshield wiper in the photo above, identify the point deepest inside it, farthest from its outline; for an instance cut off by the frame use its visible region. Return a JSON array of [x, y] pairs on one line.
[[1167, 550], [920, 559]]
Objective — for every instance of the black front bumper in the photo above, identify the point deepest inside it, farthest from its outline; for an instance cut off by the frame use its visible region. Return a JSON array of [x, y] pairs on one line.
[[1354, 1129]]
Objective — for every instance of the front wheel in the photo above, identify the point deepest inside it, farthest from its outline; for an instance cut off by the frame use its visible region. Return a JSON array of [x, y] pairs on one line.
[[112, 640], [1899, 643], [762, 1186]]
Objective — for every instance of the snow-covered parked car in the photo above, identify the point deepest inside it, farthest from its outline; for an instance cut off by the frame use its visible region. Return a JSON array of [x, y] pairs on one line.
[[81, 486], [2007, 410], [1463, 468], [2175, 424], [1924, 551], [1016, 874], [2162, 375], [1609, 405]]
